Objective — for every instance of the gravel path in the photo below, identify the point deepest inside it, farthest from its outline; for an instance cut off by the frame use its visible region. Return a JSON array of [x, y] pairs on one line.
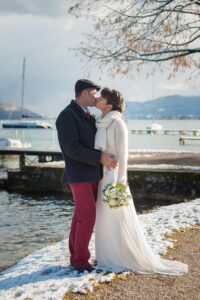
[[158, 287]]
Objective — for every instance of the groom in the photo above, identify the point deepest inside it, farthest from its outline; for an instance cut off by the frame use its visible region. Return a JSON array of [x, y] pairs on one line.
[[83, 168]]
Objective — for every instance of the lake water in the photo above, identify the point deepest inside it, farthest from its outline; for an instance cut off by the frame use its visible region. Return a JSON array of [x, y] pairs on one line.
[[161, 141], [47, 138], [29, 222]]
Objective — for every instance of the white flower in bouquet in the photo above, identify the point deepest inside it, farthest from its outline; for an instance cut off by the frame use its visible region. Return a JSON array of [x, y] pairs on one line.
[[116, 195]]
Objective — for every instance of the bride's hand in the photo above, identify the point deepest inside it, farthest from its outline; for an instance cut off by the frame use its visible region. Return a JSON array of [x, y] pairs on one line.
[[124, 185]]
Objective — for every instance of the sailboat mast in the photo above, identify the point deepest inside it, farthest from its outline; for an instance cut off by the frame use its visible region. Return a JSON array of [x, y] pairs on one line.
[[22, 93], [153, 97]]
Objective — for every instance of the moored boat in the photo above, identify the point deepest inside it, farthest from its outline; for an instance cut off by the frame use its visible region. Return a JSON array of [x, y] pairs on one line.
[[154, 128], [26, 124], [13, 143]]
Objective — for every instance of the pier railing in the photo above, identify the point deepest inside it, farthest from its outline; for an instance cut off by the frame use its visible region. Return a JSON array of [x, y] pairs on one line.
[[195, 132], [37, 155]]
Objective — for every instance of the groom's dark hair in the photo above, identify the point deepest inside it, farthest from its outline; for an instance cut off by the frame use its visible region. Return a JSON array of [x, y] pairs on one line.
[[113, 97]]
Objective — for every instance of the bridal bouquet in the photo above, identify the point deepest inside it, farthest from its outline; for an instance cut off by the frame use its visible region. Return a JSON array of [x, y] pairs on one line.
[[115, 195]]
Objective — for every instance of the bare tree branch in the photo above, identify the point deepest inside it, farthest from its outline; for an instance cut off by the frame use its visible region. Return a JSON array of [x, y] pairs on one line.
[[130, 33]]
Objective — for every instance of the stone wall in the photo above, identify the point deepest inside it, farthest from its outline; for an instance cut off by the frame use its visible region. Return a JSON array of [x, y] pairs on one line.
[[37, 178], [160, 184]]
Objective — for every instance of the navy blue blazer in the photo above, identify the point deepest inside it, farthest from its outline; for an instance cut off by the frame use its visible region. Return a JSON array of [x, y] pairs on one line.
[[76, 135]]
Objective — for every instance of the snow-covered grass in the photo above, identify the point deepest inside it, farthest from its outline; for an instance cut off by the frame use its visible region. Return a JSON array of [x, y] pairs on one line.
[[46, 274]]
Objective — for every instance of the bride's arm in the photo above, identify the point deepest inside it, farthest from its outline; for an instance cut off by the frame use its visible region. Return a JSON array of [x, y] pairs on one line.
[[121, 144]]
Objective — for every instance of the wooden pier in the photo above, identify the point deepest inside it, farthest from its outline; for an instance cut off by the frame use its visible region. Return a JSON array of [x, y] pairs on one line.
[[157, 175], [183, 139], [32, 155], [167, 131]]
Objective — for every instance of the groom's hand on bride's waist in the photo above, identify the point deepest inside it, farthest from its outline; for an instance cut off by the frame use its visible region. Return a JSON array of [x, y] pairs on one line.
[[109, 161]]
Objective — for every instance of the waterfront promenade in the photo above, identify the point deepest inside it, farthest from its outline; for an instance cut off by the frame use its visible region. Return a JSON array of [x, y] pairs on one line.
[[135, 156], [157, 287], [45, 274], [156, 174], [164, 158], [152, 174]]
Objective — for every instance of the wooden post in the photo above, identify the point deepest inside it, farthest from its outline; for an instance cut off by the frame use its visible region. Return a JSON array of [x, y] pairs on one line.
[[42, 158], [21, 160], [182, 140], [2, 160]]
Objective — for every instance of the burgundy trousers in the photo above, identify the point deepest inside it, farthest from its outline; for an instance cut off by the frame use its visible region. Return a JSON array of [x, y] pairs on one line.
[[84, 194]]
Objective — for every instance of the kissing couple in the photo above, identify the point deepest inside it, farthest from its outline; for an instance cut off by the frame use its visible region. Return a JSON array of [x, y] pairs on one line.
[[96, 154]]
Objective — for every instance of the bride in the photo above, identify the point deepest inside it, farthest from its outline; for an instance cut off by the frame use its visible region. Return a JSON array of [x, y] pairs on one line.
[[119, 239]]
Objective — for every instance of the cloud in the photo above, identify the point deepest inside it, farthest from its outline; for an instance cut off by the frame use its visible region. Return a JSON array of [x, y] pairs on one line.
[[178, 86], [51, 8], [34, 30], [51, 69]]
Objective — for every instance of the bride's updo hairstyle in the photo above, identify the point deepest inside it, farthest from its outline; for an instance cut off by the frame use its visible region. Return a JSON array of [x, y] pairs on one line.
[[114, 98]]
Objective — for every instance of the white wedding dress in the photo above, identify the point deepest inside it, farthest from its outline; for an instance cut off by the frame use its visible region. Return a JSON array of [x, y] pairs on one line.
[[119, 239]]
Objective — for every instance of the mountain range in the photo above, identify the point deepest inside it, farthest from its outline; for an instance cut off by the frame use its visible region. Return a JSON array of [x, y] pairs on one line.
[[12, 112], [168, 107]]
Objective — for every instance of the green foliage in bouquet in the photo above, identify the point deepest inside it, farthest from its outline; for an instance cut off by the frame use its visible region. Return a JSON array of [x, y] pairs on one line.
[[116, 195]]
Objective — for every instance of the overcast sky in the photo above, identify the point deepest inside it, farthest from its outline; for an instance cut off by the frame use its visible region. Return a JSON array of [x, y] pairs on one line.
[[42, 31]]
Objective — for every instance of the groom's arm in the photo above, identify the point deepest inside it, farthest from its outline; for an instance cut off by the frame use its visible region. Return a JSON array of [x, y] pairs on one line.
[[68, 137]]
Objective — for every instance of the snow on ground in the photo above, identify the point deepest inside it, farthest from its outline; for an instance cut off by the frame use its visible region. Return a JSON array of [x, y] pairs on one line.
[[162, 167], [46, 274], [160, 151]]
